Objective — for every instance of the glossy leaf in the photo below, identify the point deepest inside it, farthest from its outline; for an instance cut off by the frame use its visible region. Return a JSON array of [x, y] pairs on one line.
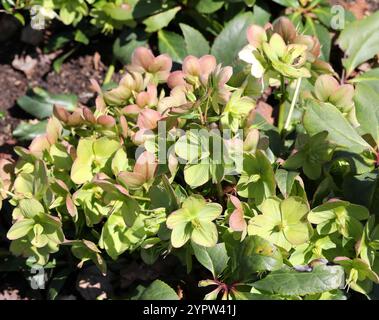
[[289, 282]]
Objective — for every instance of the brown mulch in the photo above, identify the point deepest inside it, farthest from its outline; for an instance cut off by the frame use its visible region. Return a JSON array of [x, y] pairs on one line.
[[13, 84], [7, 125], [75, 76]]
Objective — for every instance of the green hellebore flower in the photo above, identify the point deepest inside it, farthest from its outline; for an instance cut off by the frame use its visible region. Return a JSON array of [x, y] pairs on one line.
[[282, 222], [257, 180], [206, 155], [288, 60], [359, 274], [312, 153], [368, 245], [339, 216], [91, 199], [92, 156], [35, 233], [316, 248], [194, 221], [127, 228], [236, 110]]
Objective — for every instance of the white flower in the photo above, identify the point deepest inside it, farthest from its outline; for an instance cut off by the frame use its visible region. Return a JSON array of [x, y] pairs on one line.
[[247, 55]]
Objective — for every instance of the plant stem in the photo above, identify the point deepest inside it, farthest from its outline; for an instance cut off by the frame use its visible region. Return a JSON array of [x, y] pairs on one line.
[[110, 72], [206, 108], [8, 193], [281, 103], [293, 103], [141, 198], [201, 115], [220, 192]]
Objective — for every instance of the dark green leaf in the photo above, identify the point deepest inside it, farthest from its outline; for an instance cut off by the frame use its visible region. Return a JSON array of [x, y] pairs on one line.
[[366, 101], [288, 282], [232, 39], [320, 117], [40, 103], [215, 259], [159, 290], [28, 131], [126, 43], [360, 41], [172, 44], [209, 6], [160, 20], [196, 44]]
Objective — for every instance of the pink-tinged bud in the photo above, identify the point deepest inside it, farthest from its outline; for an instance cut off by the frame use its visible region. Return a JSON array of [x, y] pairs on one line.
[[142, 59], [207, 64], [236, 220], [191, 66], [146, 165], [256, 35], [106, 121], [147, 98], [161, 67], [133, 81], [343, 97], [177, 98], [153, 95], [131, 180], [251, 140], [140, 137], [38, 145], [117, 96], [61, 113], [175, 79], [172, 163], [142, 99], [124, 126], [131, 109], [75, 118], [88, 115], [322, 67], [284, 27], [100, 105], [109, 186], [62, 185], [336, 259], [71, 208], [313, 46], [325, 86], [148, 119], [265, 110], [6, 169], [224, 75], [144, 171], [95, 86], [53, 130], [162, 62], [70, 149]]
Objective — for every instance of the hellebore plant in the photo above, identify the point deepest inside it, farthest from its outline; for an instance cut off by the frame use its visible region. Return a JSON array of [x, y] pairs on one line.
[[282, 222], [185, 163], [278, 50], [339, 216], [194, 221], [314, 152], [328, 90]]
